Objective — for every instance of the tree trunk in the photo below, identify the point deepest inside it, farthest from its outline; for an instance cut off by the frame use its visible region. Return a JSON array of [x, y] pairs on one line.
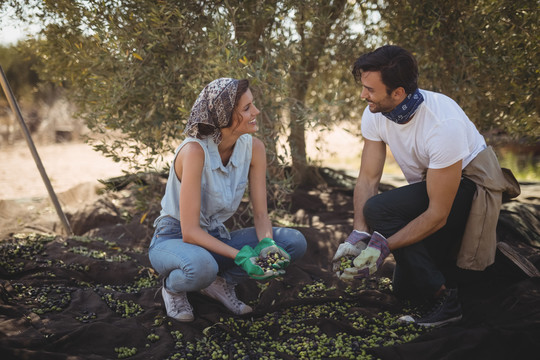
[[251, 20], [312, 45]]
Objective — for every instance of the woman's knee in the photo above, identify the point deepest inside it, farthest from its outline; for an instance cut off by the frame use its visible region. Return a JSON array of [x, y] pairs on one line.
[[188, 270], [180, 280], [194, 276], [292, 240]]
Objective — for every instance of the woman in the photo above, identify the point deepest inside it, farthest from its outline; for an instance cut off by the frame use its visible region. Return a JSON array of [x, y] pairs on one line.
[[191, 247]]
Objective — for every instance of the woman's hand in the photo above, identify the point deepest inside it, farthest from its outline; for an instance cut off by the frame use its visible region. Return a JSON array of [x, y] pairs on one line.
[[247, 260], [268, 248]]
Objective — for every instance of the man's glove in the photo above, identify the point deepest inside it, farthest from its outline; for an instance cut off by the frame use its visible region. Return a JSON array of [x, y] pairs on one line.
[[268, 248], [352, 246], [369, 260], [247, 260]]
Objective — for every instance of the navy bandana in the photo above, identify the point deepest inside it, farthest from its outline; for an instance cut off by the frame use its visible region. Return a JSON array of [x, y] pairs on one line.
[[404, 111]]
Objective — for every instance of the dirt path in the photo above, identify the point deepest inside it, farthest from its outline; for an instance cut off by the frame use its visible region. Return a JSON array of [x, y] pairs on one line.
[[66, 165], [70, 164]]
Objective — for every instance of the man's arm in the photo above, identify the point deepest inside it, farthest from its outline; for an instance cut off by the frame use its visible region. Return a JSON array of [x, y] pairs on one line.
[[367, 184], [442, 186]]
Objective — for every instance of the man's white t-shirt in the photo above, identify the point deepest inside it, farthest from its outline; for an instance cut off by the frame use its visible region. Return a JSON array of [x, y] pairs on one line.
[[439, 135]]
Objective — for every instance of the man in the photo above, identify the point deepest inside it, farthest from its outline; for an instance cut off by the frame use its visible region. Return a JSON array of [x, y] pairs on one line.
[[447, 164]]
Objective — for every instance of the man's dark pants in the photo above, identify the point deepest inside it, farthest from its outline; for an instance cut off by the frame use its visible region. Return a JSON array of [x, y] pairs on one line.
[[421, 268]]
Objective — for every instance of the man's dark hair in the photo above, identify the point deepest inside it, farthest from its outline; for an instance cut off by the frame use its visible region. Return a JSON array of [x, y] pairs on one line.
[[398, 67]]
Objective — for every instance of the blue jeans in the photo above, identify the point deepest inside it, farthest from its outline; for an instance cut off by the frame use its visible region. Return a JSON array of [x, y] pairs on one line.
[[189, 267]]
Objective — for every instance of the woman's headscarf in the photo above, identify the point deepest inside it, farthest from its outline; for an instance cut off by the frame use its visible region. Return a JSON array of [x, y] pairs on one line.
[[213, 107]]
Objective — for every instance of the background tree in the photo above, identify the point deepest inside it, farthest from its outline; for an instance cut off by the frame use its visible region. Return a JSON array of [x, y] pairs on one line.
[[484, 54], [18, 68], [30, 91], [313, 23], [135, 67], [257, 29]]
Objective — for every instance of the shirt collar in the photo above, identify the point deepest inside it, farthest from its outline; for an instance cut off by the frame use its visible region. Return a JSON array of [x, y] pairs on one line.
[[235, 157], [215, 158]]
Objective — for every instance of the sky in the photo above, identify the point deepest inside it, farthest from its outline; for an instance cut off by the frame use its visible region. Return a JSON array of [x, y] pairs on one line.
[[10, 35], [12, 30]]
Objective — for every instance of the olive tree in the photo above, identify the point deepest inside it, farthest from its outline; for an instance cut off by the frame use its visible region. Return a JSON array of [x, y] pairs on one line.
[[135, 67], [484, 54]]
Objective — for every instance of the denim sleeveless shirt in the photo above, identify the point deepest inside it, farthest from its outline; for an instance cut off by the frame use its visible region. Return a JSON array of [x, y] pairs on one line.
[[222, 187]]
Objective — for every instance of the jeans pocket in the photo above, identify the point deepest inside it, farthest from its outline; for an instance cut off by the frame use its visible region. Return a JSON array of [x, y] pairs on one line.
[[167, 228]]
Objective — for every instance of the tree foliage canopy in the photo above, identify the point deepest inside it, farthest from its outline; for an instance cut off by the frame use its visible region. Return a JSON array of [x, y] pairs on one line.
[[17, 66], [135, 67], [484, 54]]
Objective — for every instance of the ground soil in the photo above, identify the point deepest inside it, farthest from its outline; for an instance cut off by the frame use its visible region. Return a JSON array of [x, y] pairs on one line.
[[61, 295]]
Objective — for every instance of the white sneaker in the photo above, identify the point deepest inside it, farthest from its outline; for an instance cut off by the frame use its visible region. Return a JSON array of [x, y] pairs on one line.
[[223, 292], [177, 305]]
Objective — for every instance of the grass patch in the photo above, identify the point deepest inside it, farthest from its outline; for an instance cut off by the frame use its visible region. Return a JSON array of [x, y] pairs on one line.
[[524, 167]]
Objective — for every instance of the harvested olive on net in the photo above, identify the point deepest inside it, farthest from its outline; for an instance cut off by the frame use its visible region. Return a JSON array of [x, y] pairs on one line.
[[125, 352], [292, 332]]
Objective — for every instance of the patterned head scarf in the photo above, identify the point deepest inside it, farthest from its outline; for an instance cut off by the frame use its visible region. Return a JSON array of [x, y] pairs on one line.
[[213, 107]]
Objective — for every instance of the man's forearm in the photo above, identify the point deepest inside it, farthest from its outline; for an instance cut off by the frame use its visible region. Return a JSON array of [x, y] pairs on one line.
[[367, 184], [418, 229], [363, 191], [442, 186]]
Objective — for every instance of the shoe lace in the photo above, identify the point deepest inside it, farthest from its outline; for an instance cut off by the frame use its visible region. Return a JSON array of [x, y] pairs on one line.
[[180, 303], [231, 295], [435, 307]]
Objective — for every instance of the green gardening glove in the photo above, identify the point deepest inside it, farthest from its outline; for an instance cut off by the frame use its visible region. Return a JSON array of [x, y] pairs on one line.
[[267, 248], [247, 260]]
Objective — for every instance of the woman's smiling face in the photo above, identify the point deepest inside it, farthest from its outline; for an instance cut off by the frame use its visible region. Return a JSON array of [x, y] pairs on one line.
[[244, 115]]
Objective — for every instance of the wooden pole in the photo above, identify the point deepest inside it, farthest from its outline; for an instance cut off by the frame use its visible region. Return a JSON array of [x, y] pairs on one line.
[[15, 108]]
